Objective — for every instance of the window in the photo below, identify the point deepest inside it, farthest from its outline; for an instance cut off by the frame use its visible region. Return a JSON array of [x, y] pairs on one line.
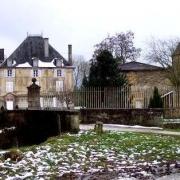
[[59, 85], [59, 62], [54, 102], [9, 62], [35, 62], [9, 86], [138, 104], [35, 73], [59, 73], [41, 102], [9, 73]]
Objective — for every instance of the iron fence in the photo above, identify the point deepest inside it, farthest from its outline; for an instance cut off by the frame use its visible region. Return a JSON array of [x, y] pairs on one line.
[[98, 98]]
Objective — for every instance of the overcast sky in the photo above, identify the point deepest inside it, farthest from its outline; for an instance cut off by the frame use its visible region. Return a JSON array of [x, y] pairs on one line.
[[84, 23]]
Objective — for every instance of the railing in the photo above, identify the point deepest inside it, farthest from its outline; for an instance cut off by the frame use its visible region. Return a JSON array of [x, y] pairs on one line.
[[98, 97], [171, 99]]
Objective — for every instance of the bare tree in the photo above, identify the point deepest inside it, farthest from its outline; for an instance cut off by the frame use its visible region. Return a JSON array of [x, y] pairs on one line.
[[160, 50], [174, 76], [121, 46], [81, 69]]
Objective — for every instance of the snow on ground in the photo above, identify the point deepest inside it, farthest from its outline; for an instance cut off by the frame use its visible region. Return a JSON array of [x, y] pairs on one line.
[[135, 126], [170, 177], [109, 126], [126, 128], [104, 157], [7, 129]]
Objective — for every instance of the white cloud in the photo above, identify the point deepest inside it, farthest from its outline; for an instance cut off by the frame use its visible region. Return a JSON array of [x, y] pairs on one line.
[[86, 22]]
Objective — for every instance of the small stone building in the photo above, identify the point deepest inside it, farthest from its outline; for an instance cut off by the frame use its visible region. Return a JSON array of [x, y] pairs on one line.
[[143, 78], [145, 75]]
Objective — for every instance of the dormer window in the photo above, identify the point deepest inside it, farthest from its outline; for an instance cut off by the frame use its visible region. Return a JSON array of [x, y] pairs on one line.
[[35, 62], [59, 62], [59, 73], [9, 63]]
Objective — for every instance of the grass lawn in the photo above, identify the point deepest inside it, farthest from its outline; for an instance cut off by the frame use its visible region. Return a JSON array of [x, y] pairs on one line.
[[86, 153]]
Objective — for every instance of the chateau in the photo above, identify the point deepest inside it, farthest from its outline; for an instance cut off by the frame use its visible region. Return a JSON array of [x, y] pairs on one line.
[[34, 57]]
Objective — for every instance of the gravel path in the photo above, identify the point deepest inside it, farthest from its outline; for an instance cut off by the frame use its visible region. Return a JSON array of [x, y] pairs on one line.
[[116, 127]]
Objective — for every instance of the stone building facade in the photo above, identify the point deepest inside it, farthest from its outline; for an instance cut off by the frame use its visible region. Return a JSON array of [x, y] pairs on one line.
[[35, 57], [145, 75], [143, 78]]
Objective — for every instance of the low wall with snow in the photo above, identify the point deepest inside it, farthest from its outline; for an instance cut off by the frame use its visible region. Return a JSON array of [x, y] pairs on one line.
[[144, 117]]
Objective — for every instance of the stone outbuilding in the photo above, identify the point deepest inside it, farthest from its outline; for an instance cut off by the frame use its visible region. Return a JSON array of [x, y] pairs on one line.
[[145, 75]]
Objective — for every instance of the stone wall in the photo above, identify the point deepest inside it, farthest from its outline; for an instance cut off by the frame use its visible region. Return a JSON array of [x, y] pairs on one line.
[[148, 78], [145, 117], [35, 126], [172, 113]]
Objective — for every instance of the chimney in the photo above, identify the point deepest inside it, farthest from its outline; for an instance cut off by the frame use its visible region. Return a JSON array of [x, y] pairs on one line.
[[46, 47], [70, 54], [1, 55]]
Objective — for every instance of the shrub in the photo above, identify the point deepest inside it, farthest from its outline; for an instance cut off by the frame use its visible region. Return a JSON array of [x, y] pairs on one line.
[[155, 101]]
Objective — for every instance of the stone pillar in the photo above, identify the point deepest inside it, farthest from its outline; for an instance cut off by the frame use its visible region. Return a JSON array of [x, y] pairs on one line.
[[72, 121], [98, 128], [34, 95]]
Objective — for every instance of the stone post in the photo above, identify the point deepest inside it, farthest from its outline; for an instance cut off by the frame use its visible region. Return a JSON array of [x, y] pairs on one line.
[[33, 95], [98, 127], [72, 121]]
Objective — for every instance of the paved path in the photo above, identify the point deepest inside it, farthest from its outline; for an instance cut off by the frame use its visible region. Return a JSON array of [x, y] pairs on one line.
[[116, 127]]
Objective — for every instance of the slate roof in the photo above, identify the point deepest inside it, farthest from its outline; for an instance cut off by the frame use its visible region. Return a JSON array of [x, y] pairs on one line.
[[177, 50], [33, 46], [137, 66]]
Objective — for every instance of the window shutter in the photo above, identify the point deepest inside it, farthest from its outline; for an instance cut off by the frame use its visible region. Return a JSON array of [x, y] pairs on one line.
[[62, 72], [39, 73], [32, 73], [13, 72], [1, 73], [59, 85], [5, 73], [12, 87], [54, 102], [9, 87], [55, 72], [41, 102]]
